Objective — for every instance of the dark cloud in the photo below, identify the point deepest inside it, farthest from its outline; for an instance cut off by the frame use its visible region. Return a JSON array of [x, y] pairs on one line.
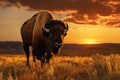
[[91, 8], [117, 11], [83, 6]]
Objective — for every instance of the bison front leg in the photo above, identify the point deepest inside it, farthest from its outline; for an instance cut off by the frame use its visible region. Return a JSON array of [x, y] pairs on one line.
[[48, 57], [43, 61]]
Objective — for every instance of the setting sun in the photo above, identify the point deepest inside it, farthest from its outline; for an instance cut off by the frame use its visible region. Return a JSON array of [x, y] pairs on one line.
[[90, 41]]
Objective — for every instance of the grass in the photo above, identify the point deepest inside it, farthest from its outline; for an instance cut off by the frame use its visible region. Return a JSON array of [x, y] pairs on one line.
[[96, 67]]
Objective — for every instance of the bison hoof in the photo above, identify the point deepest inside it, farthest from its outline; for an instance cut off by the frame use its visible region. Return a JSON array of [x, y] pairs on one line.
[[34, 60], [28, 65], [44, 65], [43, 60]]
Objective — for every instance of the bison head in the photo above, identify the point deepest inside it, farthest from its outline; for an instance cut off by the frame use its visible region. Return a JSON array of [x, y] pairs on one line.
[[54, 32]]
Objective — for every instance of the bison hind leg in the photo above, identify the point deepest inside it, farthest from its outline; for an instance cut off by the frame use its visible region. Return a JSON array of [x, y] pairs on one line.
[[33, 54], [26, 49]]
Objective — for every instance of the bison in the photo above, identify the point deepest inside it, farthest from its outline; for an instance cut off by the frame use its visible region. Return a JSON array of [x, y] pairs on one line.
[[44, 34]]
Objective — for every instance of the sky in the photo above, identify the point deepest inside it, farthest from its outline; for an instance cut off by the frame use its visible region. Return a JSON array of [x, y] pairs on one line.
[[90, 21]]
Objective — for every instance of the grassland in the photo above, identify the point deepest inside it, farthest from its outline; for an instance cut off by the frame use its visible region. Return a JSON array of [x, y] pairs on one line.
[[96, 67]]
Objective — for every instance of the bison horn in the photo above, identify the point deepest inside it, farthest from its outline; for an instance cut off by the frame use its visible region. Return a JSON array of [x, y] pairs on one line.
[[66, 28], [45, 29]]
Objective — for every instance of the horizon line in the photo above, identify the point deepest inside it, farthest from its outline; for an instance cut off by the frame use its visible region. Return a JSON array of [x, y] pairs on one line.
[[69, 43]]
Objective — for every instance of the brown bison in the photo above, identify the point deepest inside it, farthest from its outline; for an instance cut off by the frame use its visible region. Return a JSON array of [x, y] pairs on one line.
[[44, 34]]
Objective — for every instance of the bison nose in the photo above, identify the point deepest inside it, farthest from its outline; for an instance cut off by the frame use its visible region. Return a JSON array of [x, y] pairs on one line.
[[58, 45]]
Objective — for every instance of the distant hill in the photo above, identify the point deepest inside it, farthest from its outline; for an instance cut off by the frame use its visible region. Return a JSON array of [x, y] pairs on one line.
[[15, 47], [11, 47], [90, 49]]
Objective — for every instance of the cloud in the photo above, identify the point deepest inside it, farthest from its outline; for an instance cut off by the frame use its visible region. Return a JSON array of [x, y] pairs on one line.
[[114, 24], [82, 6], [117, 11], [83, 11]]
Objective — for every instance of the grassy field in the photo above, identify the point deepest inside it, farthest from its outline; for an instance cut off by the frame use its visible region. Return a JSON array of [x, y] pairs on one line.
[[96, 67]]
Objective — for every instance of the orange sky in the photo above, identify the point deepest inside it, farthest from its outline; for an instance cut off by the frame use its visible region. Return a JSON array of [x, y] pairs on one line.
[[90, 21]]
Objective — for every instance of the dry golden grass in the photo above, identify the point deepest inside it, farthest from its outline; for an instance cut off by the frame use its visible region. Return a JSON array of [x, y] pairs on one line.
[[97, 67]]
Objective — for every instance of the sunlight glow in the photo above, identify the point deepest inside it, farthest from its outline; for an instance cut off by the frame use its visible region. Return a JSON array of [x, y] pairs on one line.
[[90, 41]]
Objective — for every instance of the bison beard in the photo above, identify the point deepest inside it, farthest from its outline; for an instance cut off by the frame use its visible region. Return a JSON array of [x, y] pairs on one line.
[[44, 34]]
